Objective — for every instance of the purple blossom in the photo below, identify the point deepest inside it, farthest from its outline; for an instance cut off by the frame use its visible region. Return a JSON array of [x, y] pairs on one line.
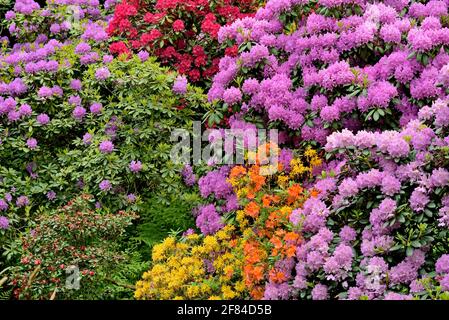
[[105, 185], [444, 282], [31, 143], [442, 264], [51, 195], [188, 176], [348, 188], [135, 166], [107, 59], [232, 95], [102, 73], [45, 92], [180, 85], [347, 234], [4, 223], [87, 138], [416, 286], [96, 108], [143, 55], [131, 198], [419, 199], [319, 292], [397, 296], [440, 177], [3, 205], [106, 146], [188, 232], [79, 112], [390, 185], [82, 48], [43, 119], [276, 291], [215, 182], [22, 201], [208, 220], [75, 100], [57, 91], [76, 84]]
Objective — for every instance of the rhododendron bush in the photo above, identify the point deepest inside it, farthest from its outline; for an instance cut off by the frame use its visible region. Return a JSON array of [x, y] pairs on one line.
[[75, 119], [67, 120], [182, 34], [354, 207], [312, 67], [366, 83]]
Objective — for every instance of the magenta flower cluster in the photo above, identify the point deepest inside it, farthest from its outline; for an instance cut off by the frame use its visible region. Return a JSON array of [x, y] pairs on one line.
[[304, 79]]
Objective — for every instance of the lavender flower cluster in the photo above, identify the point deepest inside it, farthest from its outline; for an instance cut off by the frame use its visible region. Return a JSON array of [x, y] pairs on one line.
[[41, 92], [384, 179], [314, 74]]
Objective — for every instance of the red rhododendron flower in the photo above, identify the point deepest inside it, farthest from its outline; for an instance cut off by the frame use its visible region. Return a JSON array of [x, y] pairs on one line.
[[178, 25], [209, 26], [118, 48], [153, 18], [187, 26], [200, 61], [167, 4], [198, 51], [150, 36], [232, 51], [195, 75]]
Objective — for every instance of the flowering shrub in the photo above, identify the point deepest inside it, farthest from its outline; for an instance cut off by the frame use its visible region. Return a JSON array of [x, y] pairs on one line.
[[380, 228], [313, 67], [182, 34], [75, 235], [248, 252], [73, 118]]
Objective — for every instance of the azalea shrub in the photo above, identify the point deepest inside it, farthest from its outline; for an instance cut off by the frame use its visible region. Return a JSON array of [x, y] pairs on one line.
[[182, 34], [247, 245], [75, 241], [314, 67]]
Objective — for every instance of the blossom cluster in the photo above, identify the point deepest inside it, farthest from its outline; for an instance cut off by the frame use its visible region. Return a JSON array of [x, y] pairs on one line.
[[65, 116], [370, 64], [253, 257], [396, 181], [182, 34]]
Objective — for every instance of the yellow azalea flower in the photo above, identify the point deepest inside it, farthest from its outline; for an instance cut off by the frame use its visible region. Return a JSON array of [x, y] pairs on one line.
[[283, 180], [227, 292], [240, 286]]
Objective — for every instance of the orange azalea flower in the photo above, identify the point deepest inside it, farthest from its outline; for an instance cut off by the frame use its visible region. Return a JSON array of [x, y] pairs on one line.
[[293, 193], [291, 251], [277, 276], [291, 236], [258, 292], [257, 181], [280, 167], [268, 199], [252, 209], [314, 193], [277, 243], [237, 171]]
